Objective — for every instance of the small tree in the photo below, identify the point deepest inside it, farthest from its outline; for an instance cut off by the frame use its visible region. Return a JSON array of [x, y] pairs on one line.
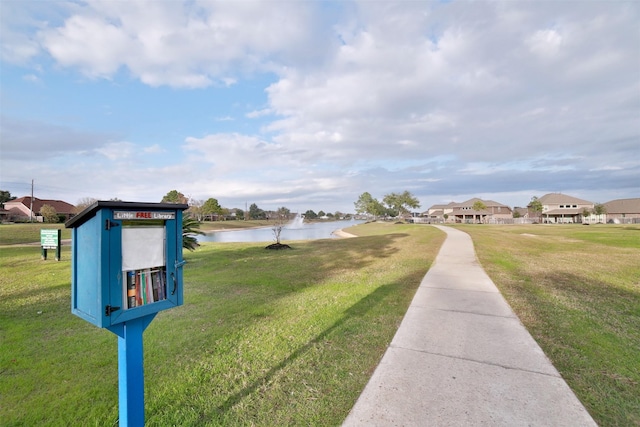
[[255, 212], [195, 209], [280, 220], [536, 206], [400, 203], [599, 209], [174, 196], [364, 204], [49, 214], [478, 206], [310, 214], [5, 196], [211, 207]]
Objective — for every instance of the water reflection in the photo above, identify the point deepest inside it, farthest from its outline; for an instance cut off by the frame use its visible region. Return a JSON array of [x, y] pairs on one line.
[[296, 230]]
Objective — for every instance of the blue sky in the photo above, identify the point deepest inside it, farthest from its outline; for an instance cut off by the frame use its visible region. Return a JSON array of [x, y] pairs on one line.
[[309, 104]]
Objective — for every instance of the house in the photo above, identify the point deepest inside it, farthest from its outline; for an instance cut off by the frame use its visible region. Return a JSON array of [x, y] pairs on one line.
[[623, 211], [558, 208], [5, 215], [20, 209], [522, 212], [436, 213], [493, 212]]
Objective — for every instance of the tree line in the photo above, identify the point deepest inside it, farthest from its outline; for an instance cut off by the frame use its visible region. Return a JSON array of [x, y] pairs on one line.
[[392, 205]]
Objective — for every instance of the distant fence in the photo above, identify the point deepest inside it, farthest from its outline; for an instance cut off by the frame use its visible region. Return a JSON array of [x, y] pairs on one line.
[[520, 221]]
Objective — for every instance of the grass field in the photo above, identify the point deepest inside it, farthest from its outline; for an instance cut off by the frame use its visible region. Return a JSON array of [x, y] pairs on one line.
[[577, 290], [12, 234], [264, 337], [291, 337]]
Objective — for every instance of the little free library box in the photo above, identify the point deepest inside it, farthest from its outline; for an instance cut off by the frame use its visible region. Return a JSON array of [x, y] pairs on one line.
[[126, 261]]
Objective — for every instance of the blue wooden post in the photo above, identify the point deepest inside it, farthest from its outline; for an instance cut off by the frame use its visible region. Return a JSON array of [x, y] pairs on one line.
[[131, 370]]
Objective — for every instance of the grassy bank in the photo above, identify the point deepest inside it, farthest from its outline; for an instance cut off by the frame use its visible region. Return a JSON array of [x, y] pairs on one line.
[[577, 290], [12, 234], [264, 338]]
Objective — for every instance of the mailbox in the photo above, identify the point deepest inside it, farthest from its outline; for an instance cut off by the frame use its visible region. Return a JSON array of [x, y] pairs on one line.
[[126, 261]]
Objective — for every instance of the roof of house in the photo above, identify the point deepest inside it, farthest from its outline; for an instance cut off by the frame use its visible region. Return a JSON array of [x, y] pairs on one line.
[[522, 211], [626, 206], [559, 198], [59, 205], [487, 203]]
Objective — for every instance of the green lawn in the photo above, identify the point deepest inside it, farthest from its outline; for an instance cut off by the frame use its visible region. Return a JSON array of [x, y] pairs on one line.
[[11, 234], [577, 290], [264, 337], [291, 337]]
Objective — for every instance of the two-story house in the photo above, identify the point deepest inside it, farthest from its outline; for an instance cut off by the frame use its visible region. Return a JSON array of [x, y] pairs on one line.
[[558, 208]]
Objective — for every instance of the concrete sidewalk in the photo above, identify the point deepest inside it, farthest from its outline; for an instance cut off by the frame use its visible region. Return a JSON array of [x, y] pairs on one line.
[[461, 357]]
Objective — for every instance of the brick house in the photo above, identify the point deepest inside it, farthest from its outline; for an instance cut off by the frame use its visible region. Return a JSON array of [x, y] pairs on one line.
[[623, 211], [493, 213], [558, 208], [20, 209]]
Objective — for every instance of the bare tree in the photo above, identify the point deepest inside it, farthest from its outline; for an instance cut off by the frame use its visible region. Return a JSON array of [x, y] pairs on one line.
[[84, 203], [281, 219]]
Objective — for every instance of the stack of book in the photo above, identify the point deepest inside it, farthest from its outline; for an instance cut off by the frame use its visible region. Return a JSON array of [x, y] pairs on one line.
[[146, 286]]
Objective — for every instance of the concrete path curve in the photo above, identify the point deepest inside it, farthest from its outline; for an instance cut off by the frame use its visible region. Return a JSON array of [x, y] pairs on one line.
[[461, 357]]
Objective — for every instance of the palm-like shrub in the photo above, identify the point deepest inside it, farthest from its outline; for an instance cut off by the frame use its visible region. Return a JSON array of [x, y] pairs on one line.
[[190, 229]]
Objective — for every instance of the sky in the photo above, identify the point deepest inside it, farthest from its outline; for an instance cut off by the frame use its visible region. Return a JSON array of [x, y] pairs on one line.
[[309, 104]]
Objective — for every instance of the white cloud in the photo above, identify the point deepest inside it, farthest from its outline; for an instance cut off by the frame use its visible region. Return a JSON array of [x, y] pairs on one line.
[[442, 98], [32, 78], [117, 150], [191, 44], [154, 149], [259, 113], [545, 43]]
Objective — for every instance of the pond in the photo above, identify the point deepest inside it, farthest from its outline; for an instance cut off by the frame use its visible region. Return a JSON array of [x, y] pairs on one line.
[[296, 230]]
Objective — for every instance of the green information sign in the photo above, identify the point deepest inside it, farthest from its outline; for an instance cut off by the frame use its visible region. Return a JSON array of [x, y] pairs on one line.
[[50, 239]]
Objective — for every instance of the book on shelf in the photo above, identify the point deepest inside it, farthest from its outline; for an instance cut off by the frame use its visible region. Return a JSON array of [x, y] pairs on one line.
[[162, 293], [145, 286], [131, 289], [138, 289], [155, 284]]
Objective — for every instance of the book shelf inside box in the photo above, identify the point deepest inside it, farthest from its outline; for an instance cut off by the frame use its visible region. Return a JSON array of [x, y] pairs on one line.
[[144, 286]]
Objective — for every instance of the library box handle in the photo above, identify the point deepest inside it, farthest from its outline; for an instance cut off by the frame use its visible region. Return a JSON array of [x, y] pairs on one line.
[[175, 284]]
